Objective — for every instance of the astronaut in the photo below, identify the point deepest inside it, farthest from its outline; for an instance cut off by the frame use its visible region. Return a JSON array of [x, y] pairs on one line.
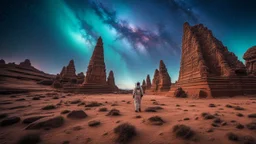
[[137, 96]]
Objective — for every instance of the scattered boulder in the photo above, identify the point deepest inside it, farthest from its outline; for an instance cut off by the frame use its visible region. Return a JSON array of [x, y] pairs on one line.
[[65, 111], [252, 125], [207, 116], [30, 138], [252, 115], [21, 99], [103, 109], [180, 93], [17, 107], [32, 119], [113, 112], [75, 101], [233, 137], [10, 121], [49, 107], [93, 123], [156, 120], [238, 108], [239, 126], [239, 115], [93, 104], [153, 109], [125, 132], [77, 114], [229, 106], [183, 131], [36, 98], [248, 139], [53, 122], [212, 105], [45, 82], [3, 115]]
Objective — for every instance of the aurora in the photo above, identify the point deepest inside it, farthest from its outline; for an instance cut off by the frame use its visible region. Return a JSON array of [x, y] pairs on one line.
[[136, 34]]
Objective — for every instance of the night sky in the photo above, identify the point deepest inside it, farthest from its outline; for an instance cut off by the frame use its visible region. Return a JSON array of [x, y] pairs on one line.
[[136, 33]]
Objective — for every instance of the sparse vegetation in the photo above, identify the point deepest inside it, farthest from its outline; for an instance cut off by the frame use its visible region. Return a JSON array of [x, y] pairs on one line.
[[113, 112], [125, 132], [183, 131], [156, 120], [207, 116]]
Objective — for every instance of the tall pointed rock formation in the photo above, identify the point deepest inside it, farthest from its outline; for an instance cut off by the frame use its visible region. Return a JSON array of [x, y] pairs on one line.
[[111, 81], [148, 82], [143, 85], [96, 70], [208, 69], [164, 78], [155, 81], [69, 71]]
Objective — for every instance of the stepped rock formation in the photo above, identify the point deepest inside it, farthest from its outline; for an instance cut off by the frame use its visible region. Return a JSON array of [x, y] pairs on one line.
[[250, 60], [80, 78], [2, 62], [143, 85], [62, 71], [148, 84], [95, 79], [22, 78], [155, 81], [207, 68], [164, 78], [111, 81], [96, 71], [69, 72], [26, 63]]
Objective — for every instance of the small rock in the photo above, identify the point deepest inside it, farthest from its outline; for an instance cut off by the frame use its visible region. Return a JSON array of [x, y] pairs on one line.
[[94, 123], [77, 114], [10, 121], [239, 126]]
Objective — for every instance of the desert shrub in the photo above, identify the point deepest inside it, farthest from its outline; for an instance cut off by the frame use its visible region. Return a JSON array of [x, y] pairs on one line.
[[156, 120], [183, 131], [125, 132], [113, 112]]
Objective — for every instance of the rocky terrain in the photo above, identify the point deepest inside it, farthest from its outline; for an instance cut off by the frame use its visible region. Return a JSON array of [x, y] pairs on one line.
[[53, 117]]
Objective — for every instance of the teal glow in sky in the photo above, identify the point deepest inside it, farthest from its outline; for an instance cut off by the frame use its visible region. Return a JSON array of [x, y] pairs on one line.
[[136, 34]]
